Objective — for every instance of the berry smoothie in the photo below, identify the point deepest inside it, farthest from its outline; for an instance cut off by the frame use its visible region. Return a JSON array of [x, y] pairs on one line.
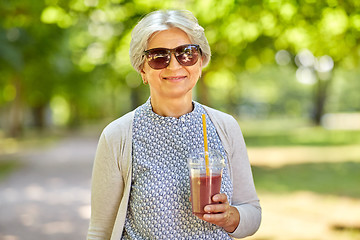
[[203, 188]]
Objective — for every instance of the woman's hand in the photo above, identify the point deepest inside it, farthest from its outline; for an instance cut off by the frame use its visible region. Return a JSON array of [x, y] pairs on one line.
[[221, 213]]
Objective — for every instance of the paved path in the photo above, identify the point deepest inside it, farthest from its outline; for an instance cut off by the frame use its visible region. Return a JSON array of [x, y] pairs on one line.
[[49, 198]]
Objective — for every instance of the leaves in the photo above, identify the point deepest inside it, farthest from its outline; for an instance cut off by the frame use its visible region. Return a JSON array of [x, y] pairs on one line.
[[78, 49]]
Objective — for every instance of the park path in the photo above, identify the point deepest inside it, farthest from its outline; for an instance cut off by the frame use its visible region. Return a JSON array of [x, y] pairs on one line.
[[49, 197]]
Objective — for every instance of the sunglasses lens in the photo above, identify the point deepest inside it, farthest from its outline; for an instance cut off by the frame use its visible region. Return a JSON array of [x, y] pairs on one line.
[[187, 55], [158, 58]]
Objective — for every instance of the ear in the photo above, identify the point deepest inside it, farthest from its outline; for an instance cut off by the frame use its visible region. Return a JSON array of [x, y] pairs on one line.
[[201, 61], [143, 76]]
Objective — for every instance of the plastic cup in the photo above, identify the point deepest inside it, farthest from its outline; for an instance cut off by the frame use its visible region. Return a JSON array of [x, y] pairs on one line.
[[204, 187]]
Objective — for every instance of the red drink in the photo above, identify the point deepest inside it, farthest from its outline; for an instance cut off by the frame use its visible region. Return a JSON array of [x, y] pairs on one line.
[[203, 188]]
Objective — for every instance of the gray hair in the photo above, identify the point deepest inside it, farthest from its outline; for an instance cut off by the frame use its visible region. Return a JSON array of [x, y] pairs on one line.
[[162, 20]]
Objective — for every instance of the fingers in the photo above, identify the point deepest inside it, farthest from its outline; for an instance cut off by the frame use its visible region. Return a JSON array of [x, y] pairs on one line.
[[218, 218], [218, 212], [221, 213], [229, 220], [216, 208], [221, 204], [220, 198]]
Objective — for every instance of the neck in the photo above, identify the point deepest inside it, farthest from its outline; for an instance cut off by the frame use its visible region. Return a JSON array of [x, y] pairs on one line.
[[174, 107]]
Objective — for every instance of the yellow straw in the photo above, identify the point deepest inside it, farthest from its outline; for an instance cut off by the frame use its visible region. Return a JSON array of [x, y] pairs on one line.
[[205, 145]]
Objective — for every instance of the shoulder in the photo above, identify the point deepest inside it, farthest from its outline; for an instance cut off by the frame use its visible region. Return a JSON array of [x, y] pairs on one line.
[[221, 118], [119, 127], [227, 127]]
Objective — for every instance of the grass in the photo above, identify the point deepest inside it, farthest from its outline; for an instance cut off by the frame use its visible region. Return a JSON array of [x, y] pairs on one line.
[[303, 137], [339, 179], [307, 179], [307, 136], [11, 146], [294, 133], [315, 159], [7, 167]]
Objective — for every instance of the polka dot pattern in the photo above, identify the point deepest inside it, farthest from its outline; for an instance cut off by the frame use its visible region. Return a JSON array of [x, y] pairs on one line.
[[159, 206]]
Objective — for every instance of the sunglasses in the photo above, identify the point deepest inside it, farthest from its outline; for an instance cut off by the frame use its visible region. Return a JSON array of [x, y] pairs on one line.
[[186, 55]]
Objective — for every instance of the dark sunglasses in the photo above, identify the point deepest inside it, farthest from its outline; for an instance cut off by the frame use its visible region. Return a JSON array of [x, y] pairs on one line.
[[186, 55]]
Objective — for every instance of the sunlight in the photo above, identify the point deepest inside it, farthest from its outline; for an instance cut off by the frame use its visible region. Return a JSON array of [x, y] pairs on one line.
[[85, 211], [10, 195], [9, 92], [61, 110], [96, 52], [345, 121], [324, 64], [91, 3], [305, 214], [30, 215], [10, 237], [35, 192], [305, 58], [58, 227], [305, 76], [8, 146], [275, 157], [283, 57], [55, 14], [334, 21]]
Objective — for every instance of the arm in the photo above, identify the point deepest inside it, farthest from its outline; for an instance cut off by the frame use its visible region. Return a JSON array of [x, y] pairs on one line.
[[106, 191], [245, 199]]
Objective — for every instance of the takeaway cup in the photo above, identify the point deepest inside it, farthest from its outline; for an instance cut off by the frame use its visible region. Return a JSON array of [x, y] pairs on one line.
[[204, 185]]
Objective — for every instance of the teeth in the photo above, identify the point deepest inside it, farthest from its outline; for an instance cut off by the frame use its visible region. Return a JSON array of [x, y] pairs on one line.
[[174, 78]]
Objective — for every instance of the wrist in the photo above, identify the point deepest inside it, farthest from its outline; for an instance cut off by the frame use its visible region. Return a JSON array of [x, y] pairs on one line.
[[233, 220]]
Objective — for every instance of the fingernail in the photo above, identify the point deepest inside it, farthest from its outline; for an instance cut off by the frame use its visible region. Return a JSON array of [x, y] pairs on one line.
[[207, 209]]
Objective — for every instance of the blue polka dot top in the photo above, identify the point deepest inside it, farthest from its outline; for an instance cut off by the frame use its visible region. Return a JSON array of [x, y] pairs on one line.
[[159, 205]]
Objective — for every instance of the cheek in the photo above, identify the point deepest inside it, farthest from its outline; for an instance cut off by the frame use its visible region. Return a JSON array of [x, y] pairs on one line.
[[196, 72], [147, 72], [151, 75]]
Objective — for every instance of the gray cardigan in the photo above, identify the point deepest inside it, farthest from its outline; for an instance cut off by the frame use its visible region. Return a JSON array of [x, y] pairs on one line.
[[111, 179]]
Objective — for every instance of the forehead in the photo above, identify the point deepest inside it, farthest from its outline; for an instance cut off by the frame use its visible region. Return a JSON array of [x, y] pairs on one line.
[[169, 38]]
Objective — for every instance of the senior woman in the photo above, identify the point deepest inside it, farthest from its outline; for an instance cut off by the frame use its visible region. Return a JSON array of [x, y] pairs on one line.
[[140, 183]]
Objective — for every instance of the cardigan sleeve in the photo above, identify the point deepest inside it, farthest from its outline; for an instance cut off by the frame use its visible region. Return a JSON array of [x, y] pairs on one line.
[[244, 198], [108, 180], [106, 191]]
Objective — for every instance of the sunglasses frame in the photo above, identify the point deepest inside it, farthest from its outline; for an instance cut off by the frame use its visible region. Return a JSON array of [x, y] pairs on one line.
[[169, 52]]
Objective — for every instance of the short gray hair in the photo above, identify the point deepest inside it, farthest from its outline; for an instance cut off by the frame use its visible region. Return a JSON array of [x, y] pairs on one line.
[[162, 20]]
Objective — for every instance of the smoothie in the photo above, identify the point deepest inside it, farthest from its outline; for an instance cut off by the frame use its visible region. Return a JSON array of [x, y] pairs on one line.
[[203, 188]]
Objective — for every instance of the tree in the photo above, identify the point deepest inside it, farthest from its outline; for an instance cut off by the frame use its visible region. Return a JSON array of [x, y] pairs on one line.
[[72, 56], [247, 35]]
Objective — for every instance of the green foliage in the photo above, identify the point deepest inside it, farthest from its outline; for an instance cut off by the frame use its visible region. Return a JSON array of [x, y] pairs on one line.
[[319, 170], [340, 179], [305, 137], [294, 132], [78, 51], [7, 167]]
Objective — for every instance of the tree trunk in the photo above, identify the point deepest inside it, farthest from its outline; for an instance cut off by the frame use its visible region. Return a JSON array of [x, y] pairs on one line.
[[16, 116], [320, 100], [39, 117]]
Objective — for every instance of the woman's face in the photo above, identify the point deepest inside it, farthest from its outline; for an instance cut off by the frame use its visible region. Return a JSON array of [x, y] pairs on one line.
[[174, 81]]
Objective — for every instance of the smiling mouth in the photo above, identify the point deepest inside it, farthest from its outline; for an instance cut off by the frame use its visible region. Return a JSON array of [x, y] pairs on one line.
[[175, 78]]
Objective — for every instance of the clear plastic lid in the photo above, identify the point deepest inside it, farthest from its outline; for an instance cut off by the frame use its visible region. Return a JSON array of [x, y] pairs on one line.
[[197, 159]]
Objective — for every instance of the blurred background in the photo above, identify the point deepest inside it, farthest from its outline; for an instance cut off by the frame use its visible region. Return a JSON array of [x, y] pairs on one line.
[[287, 70]]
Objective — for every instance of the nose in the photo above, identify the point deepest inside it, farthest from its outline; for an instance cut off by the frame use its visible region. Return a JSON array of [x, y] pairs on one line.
[[174, 64]]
